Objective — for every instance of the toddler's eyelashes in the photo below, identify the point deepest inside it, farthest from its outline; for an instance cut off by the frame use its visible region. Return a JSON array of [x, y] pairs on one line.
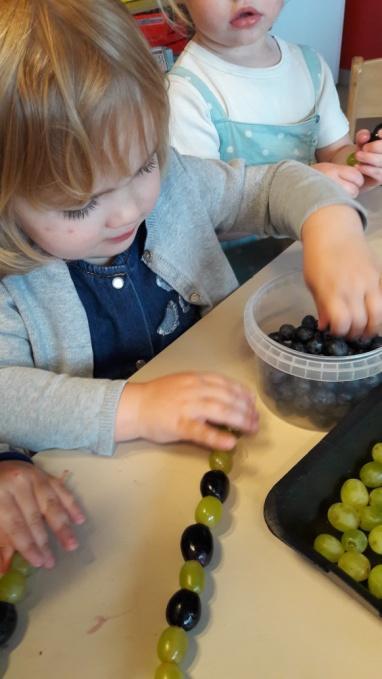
[[81, 212]]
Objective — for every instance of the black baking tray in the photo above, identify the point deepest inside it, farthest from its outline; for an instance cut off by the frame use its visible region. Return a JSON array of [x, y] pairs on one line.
[[295, 508]]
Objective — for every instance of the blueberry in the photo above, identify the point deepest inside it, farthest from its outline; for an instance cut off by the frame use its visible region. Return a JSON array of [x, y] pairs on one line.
[[376, 343], [286, 332], [336, 347], [344, 398], [274, 336], [372, 382], [301, 386], [304, 334], [285, 392], [277, 376], [323, 399], [288, 344], [309, 322], [299, 346], [362, 344], [302, 403], [315, 346]]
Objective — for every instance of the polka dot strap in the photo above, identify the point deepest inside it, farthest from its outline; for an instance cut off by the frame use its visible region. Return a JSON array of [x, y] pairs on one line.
[[216, 109]]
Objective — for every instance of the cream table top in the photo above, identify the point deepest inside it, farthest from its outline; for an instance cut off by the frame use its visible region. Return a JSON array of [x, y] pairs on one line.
[[267, 613]]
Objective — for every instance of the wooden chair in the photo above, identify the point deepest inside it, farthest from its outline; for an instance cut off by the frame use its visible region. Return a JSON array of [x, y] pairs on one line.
[[365, 91]]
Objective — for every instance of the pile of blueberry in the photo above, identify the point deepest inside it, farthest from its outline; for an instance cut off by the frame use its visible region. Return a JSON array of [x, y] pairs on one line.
[[323, 403], [307, 339]]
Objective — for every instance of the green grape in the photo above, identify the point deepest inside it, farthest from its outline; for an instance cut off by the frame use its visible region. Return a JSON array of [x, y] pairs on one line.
[[12, 587], [370, 517], [375, 581], [375, 539], [192, 576], [221, 459], [354, 541], [354, 493], [20, 565], [356, 565], [343, 517], [351, 160], [168, 670], [209, 511], [376, 498], [328, 546], [172, 645], [371, 474], [376, 452]]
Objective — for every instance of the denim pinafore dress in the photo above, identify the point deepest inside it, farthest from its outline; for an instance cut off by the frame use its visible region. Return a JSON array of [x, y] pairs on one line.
[[260, 144]]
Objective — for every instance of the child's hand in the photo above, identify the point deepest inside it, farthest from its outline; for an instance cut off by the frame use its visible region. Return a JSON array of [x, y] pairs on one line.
[[369, 157], [350, 178], [28, 498], [341, 272], [183, 407]]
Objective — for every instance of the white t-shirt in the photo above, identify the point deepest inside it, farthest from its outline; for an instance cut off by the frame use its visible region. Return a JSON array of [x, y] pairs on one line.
[[277, 95]]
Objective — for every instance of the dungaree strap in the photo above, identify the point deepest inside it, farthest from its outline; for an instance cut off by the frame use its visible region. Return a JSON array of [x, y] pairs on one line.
[[313, 63], [217, 111]]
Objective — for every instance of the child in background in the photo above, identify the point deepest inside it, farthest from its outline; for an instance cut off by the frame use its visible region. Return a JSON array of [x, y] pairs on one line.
[[237, 91], [109, 251]]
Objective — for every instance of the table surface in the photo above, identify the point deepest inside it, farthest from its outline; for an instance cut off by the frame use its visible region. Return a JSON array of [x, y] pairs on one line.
[[267, 613]]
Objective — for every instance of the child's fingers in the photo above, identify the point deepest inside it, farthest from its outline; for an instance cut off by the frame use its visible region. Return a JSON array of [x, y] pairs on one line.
[[242, 419], [206, 435], [373, 148], [362, 137], [56, 516], [373, 304], [372, 172], [358, 316], [72, 507], [29, 508], [351, 175], [6, 552], [372, 158], [232, 387], [19, 533], [208, 394], [335, 315]]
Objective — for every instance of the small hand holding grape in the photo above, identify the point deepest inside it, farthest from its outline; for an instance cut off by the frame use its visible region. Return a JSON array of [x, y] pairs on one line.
[[369, 156], [186, 406]]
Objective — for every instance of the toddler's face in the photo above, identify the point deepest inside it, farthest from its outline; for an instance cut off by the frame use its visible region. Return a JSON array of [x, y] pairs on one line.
[[233, 23], [104, 227]]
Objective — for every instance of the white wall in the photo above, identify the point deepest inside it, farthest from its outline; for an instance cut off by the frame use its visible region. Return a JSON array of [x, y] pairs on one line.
[[317, 23]]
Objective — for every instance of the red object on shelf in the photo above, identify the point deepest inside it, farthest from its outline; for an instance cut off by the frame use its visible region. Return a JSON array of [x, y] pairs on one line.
[[158, 33], [362, 35]]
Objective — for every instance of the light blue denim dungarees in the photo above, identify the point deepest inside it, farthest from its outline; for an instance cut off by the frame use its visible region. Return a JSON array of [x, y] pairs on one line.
[[261, 144]]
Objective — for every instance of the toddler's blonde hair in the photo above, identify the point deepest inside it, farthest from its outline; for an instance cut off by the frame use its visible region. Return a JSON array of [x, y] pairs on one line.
[[173, 10], [74, 74]]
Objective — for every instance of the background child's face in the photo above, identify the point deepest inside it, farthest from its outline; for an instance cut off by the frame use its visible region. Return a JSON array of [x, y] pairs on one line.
[[233, 23], [104, 227]]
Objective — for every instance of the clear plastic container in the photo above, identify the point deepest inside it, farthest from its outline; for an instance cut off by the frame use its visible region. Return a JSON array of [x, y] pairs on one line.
[[310, 391]]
